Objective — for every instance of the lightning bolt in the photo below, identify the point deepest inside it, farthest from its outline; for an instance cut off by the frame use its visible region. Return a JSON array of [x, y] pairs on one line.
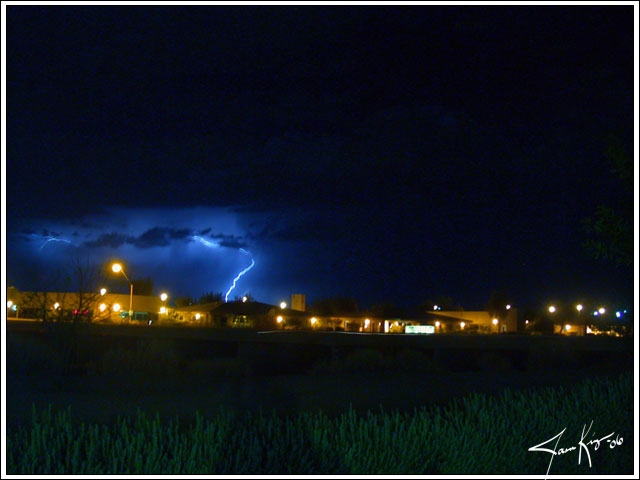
[[235, 280], [205, 242], [53, 239], [233, 285]]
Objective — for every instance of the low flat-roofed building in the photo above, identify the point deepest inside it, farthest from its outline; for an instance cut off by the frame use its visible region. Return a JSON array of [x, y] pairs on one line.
[[472, 321], [196, 314], [247, 314], [90, 307]]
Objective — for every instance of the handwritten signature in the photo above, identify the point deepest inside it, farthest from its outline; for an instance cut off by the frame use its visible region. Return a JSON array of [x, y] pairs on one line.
[[582, 446]]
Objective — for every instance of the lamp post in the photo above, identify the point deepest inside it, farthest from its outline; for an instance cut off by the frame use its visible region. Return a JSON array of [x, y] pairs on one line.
[[552, 309], [582, 327], [164, 309], [116, 267]]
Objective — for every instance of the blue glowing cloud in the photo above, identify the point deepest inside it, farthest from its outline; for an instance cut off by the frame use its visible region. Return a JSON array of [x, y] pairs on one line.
[[164, 244]]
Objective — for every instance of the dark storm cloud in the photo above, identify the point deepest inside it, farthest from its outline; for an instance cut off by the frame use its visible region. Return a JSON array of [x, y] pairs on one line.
[[28, 231], [160, 237], [112, 240], [154, 237], [229, 241], [165, 236]]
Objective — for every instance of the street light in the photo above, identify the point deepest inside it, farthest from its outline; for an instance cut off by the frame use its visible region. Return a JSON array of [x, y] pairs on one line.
[[116, 267], [495, 321], [579, 308], [283, 305], [244, 299], [508, 307], [9, 304], [552, 309], [103, 291], [602, 310], [163, 296]]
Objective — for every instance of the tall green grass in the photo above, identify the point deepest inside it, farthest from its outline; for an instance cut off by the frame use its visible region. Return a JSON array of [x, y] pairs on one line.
[[478, 434]]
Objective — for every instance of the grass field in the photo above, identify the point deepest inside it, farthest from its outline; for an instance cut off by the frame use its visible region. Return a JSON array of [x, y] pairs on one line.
[[477, 434]]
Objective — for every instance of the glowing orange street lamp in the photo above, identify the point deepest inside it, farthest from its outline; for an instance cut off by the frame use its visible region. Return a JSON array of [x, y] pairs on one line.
[[116, 268]]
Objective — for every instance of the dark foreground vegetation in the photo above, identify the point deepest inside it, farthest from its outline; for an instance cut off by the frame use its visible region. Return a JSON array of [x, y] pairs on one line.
[[478, 434], [81, 403]]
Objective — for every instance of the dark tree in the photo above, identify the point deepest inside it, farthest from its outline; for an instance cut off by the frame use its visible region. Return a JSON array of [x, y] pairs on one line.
[[183, 301], [210, 297], [239, 298], [84, 279], [497, 305], [609, 231]]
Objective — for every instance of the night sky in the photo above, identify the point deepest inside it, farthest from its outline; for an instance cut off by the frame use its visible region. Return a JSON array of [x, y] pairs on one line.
[[391, 154]]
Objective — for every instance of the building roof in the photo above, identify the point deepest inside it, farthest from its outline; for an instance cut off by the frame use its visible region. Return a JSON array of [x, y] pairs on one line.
[[469, 317], [203, 307], [245, 308]]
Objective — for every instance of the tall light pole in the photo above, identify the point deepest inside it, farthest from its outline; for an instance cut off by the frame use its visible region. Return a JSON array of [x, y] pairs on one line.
[[164, 309], [552, 309], [116, 267], [582, 327]]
